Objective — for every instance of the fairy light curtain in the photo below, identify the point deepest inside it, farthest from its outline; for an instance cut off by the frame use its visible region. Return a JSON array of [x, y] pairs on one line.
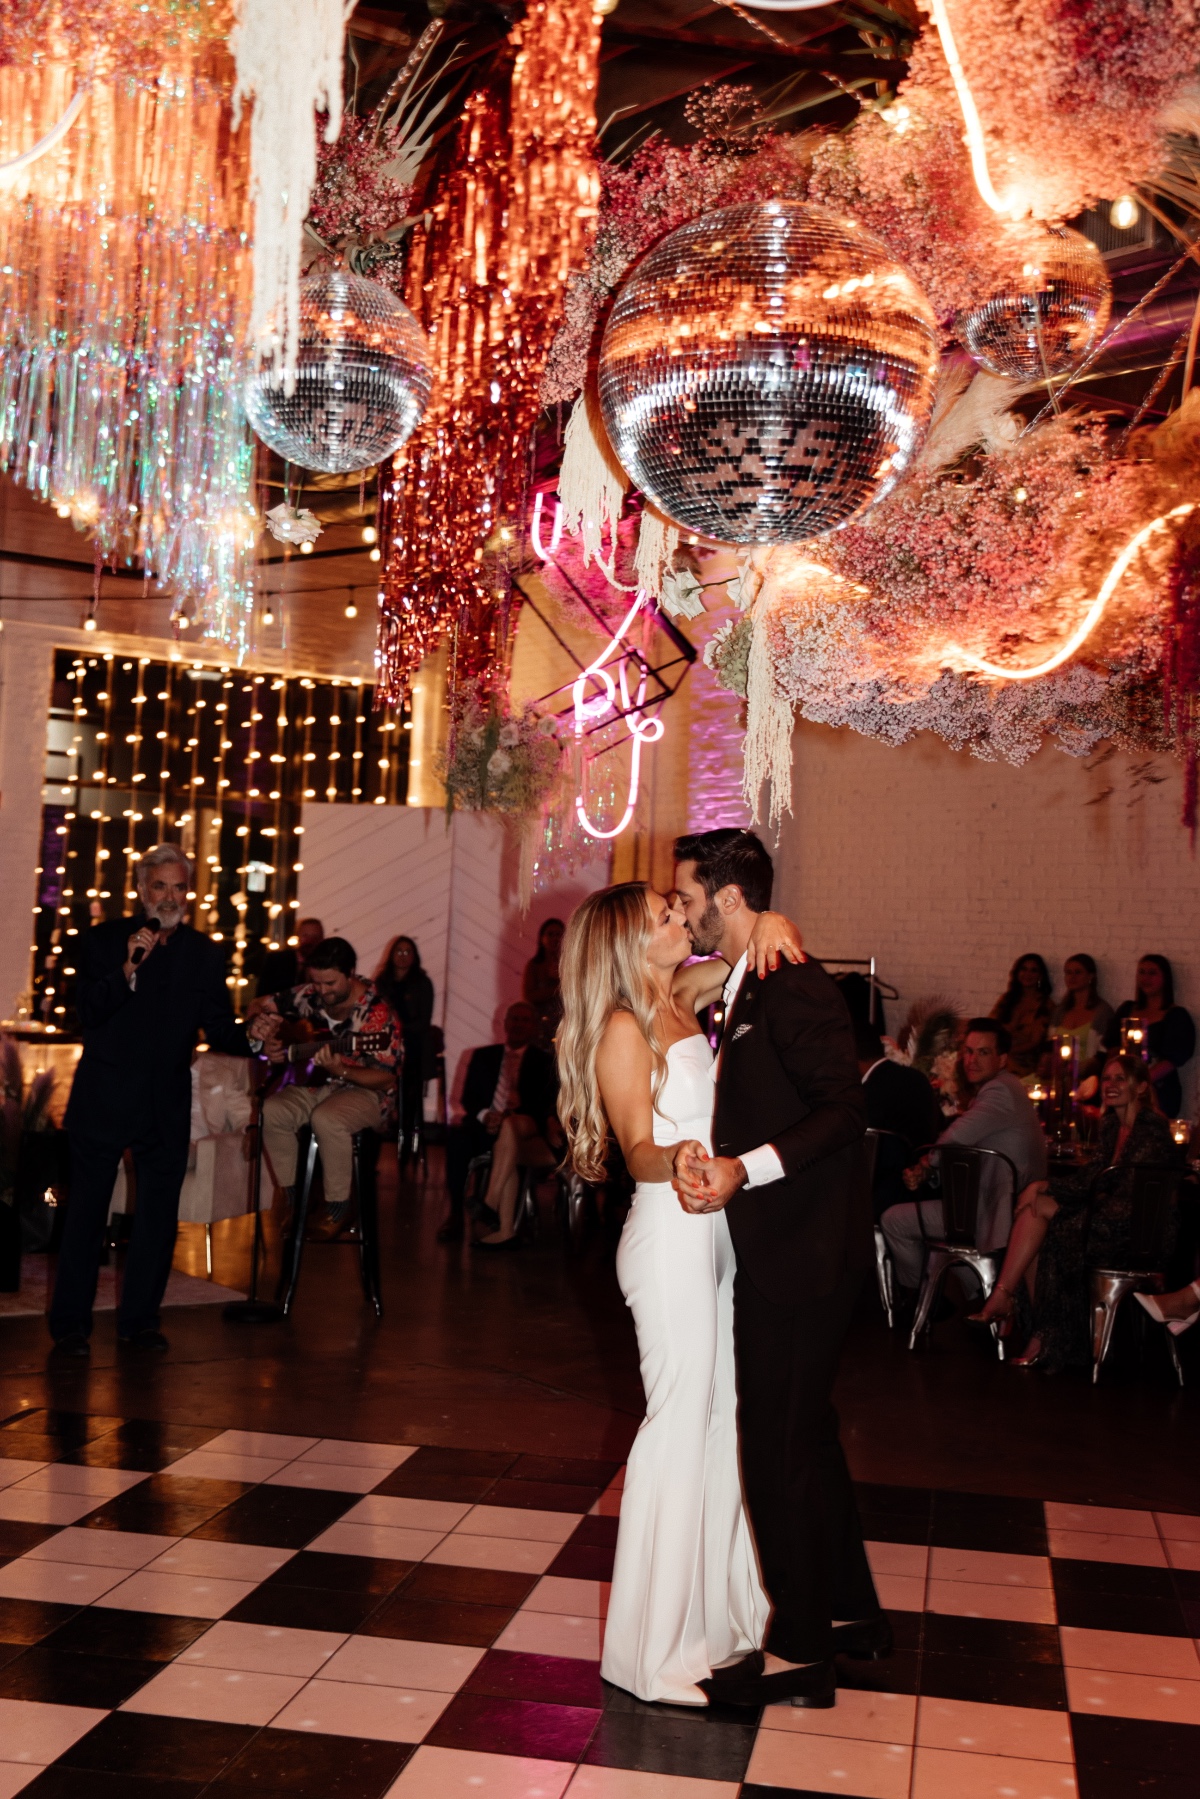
[[512, 218], [125, 290]]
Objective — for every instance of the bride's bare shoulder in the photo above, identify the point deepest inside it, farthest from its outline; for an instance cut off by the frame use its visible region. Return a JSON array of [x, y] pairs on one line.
[[622, 1036]]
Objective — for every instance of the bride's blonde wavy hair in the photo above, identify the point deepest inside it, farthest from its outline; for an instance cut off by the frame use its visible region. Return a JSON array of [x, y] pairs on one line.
[[603, 970]]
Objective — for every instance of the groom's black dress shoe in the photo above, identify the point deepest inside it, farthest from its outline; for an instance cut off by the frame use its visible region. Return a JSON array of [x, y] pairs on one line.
[[814, 1686], [749, 1668], [870, 1640]]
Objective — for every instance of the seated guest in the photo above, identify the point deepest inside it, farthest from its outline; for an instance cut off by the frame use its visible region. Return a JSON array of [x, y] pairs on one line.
[[1079, 1221], [1000, 1116], [402, 981], [360, 1093], [540, 982], [1024, 1011], [287, 968], [1170, 1035], [510, 1087], [1081, 1015], [899, 1100]]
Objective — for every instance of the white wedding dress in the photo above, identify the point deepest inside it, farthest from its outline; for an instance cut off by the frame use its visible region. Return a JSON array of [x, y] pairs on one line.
[[686, 1594]]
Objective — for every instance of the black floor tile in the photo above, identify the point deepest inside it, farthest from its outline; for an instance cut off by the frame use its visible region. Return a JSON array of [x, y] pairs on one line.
[[451, 1489], [916, 1502], [277, 1517], [18, 1538], [163, 1506], [981, 1521], [908, 1629], [305, 1608], [438, 1621], [550, 1679], [1126, 1783], [575, 1472], [1001, 1639], [57, 1679], [898, 1674], [578, 1561], [1186, 1582], [154, 1748], [59, 1782], [469, 1586], [10, 1651], [544, 1496], [68, 1428], [598, 1533], [1122, 1579], [662, 1740], [490, 1462], [341, 1573], [304, 1764], [1191, 1617], [545, 1732], [893, 1527], [987, 1681], [1109, 1611], [1138, 1747], [29, 1620], [128, 1636]]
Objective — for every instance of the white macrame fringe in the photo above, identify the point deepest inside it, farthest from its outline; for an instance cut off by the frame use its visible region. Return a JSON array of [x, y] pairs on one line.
[[768, 746], [592, 482], [656, 547], [289, 65]]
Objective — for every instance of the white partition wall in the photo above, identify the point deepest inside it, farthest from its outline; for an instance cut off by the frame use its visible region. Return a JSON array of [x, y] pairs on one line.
[[371, 872]]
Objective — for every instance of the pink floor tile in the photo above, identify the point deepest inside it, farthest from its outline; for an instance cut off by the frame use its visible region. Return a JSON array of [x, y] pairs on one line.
[[901, 1592], [222, 1561], [1180, 1526], [1004, 1730], [495, 1552], [469, 1774], [14, 1776], [182, 1595], [101, 1548], [578, 1598], [13, 1471], [1183, 1554], [1026, 1605], [390, 1714], [59, 1583], [553, 1633], [377, 1539], [1155, 1698], [264, 1649], [985, 1567], [899, 1558], [857, 1716], [948, 1774], [406, 1514], [209, 1464], [1107, 1520], [335, 1477], [513, 1521], [1124, 1652], [349, 1454], [626, 1783], [1094, 1546], [393, 1662], [31, 1731], [32, 1507], [261, 1442], [98, 1483], [820, 1764], [219, 1695]]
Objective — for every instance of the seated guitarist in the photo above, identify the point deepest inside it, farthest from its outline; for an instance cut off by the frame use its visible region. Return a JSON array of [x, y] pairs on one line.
[[362, 1086]]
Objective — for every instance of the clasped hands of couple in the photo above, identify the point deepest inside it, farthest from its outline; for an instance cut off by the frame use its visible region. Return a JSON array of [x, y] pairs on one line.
[[704, 1183]]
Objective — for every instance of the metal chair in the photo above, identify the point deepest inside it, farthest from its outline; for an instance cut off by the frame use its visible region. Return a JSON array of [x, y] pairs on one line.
[[366, 1235], [961, 1171], [433, 1068], [885, 1273], [1155, 1201]]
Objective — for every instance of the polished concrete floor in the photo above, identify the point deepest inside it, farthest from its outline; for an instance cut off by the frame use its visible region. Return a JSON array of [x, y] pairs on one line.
[[349, 1558]]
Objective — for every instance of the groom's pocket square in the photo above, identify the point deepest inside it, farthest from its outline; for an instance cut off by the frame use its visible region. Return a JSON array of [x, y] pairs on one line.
[[741, 1032]]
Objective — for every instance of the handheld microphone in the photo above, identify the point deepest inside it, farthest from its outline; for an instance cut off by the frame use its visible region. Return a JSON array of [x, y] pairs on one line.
[[139, 953]]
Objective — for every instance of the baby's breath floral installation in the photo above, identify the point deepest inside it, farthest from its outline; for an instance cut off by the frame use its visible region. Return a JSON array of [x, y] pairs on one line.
[[501, 761]]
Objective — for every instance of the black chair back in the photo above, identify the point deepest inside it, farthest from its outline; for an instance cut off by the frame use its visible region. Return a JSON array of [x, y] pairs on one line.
[[877, 1138], [962, 1172], [1155, 1197]]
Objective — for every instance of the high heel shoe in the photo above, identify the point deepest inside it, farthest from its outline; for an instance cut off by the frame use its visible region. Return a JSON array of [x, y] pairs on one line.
[[1000, 1323], [1176, 1326]]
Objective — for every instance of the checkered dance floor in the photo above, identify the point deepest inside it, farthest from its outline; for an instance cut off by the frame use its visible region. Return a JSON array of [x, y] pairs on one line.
[[188, 1611]]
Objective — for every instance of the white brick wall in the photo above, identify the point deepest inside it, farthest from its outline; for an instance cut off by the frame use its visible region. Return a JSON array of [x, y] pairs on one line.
[[947, 868]]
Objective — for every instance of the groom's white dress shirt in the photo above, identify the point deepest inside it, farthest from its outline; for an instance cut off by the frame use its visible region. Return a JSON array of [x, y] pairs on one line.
[[761, 1164]]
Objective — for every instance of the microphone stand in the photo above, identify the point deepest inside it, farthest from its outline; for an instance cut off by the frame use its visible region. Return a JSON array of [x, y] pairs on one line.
[[252, 1309]]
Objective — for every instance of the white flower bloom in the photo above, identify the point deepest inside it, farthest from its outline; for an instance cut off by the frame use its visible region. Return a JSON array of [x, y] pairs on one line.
[[681, 594], [289, 525], [510, 737], [499, 764], [547, 726]]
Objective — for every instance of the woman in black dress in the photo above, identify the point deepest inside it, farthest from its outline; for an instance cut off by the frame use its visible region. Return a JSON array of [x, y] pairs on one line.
[[1169, 1035], [409, 991], [1073, 1223]]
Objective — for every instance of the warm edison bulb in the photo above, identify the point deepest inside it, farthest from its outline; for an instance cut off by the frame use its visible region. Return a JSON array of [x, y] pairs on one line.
[[369, 534], [1124, 213], [306, 549], [352, 610], [602, 8], [63, 511], [374, 555], [268, 617], [89, 624]]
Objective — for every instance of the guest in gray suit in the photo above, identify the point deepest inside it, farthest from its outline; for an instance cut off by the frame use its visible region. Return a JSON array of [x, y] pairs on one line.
[[1000, 1116]]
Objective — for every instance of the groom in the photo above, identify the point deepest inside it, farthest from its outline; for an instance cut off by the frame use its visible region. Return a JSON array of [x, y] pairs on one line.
[[789, 1167]]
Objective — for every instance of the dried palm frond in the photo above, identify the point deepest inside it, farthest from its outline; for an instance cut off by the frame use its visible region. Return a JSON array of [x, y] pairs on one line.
[[970, 411], [930, 1028]]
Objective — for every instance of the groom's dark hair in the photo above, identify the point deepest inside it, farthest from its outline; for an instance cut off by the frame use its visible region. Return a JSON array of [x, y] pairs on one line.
[[730, 858]]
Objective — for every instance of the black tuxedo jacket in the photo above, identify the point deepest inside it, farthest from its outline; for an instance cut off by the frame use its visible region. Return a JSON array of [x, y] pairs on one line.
[[137, 1045], [788, 1076], [537, 1082]]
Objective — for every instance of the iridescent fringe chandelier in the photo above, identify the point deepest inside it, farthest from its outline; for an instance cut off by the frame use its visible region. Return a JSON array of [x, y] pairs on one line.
[[125, 295], [512, 219]]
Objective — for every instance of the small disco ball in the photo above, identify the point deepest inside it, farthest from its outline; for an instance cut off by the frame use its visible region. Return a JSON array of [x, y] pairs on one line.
[[362, 378], [1057, 306], [767, 372]]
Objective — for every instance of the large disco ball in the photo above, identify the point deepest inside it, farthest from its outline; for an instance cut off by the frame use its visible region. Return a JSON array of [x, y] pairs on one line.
[[767, 372], [1046, 322], [362, 378]]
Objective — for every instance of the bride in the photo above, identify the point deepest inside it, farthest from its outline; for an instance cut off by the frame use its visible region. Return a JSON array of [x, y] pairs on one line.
[[686, 1596]]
